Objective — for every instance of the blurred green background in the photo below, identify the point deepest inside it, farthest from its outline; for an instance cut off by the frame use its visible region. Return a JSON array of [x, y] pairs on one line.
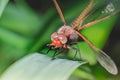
[[26, 26]]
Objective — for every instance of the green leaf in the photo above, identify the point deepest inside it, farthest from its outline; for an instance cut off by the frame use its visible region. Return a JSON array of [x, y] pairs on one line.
[[14, 39], [83, 74], [21, 20], [3, 4], [41, 67]]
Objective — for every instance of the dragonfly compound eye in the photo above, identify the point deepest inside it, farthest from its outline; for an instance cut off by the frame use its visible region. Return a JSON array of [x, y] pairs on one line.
[[54, 36], [62, 38]]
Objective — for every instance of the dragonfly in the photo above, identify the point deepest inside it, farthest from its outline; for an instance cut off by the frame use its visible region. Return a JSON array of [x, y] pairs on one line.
[[68, 34]]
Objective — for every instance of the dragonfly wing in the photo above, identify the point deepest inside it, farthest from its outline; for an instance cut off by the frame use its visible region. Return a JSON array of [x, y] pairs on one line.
[[102, 10], [106, 61], [102, 57]]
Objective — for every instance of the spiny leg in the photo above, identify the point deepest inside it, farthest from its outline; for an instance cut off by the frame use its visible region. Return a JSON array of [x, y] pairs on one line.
[[82, 15], [92, 23], [95, 21], [86, 40], [101, 57]]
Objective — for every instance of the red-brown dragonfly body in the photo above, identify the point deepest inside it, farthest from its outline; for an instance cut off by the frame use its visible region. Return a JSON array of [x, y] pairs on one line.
[[62, 36], [68, 34]]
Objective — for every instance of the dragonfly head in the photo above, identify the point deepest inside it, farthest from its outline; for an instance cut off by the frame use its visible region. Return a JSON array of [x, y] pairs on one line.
[[58, 40]]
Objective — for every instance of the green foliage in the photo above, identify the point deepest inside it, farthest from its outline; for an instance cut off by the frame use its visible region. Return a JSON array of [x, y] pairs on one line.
[[3, 4], [24, 31]]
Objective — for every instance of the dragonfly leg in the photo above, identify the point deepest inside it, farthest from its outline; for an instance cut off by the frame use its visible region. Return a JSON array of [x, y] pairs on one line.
[[57, 52], [74, 58], [53, 57], [48, 50], [77, 51]]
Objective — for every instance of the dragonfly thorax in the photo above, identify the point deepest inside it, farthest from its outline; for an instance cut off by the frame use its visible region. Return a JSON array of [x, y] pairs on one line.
[[62, 36], [69, 32]]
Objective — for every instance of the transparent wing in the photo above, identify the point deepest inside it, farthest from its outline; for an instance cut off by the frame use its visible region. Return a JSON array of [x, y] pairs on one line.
[[101, 11], [103, 8], [101, 56], [106, 61]]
